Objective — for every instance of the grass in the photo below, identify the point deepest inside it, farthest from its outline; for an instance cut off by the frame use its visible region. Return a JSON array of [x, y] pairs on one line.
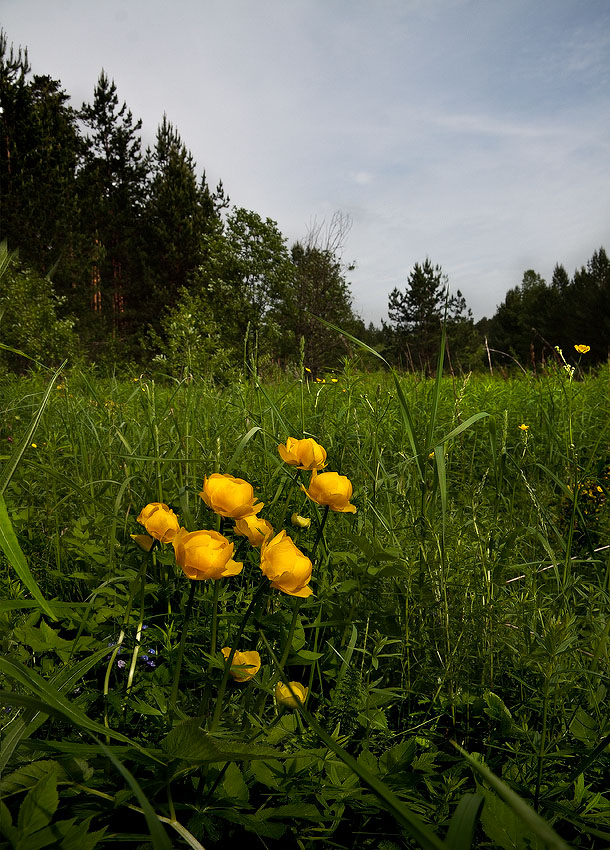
[[455, 648]]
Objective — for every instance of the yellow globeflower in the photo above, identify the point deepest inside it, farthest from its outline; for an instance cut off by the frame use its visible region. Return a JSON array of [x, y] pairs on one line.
[[229, 496], [583, 349], [524, 427], [255, 528], [304, 454], [284, 698], [160, 521], [332, 490], [245, 665], [205, 555], [286, 567]]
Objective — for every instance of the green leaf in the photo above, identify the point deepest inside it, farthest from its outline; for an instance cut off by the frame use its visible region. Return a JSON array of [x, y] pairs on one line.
[[504, 827], [28, 775], [464, 821], [532, 820], [14, 555], [234, 785], [39, 805], [188, 742], [6, 824]]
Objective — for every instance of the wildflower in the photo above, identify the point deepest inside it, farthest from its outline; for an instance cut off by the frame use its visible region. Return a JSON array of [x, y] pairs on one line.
[[332, 490], [286, 567], [160, 521], [524, 427], [245, 665], [300, 521], [307, 369], [34, 445], [284, 698], [304, 454], [255, 528], [205, 555], [583, 349], [121, 663], [229, 496], [335, 380]]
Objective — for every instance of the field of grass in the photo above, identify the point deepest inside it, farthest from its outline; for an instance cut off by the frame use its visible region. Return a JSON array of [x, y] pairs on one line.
[[455, 649]]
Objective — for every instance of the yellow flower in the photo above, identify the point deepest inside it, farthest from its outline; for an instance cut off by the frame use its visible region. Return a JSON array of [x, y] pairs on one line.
[[229, 496], [300, 521], [583, 349], [255, 528], [34, 445], [205, 555], [284, 698], [335, 380], [160, 521], [286, 567], [524, 427], [333, 490], [305, 454], [245, 665]]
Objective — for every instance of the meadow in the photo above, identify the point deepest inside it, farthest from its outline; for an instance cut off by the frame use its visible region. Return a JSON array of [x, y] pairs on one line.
[[445, 685]]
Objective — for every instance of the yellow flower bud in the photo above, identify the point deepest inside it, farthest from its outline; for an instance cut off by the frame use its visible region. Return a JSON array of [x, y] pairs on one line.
[[286, 567], [284, 698], [229, 496], [160, 521], [300, 521], [245, 665], [205, 555]]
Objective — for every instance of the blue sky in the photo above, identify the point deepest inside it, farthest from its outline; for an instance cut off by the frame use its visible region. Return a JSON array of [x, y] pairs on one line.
[[473, 132]]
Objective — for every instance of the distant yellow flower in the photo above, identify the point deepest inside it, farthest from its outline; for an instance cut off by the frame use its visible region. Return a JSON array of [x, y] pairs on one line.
[[229, 496], [286, 567], [335, 380], [34, 445], [160, 521], [583, 349], [284, 698], [255, 528], [524, 427], [245, 665], [332, 490], [205, 555], [304, 454], [307, 369]]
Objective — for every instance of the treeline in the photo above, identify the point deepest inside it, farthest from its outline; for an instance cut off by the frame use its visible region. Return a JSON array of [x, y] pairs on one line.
[[117, 253]]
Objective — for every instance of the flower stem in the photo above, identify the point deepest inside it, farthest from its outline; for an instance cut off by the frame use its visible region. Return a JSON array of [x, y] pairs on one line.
[[264, 584], [176, 682]]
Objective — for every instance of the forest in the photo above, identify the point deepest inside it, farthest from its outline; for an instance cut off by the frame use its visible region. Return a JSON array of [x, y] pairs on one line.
[[117, 254]]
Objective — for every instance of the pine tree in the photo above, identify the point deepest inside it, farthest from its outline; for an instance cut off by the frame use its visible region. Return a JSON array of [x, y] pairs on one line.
[[112, 192], [179, 212]]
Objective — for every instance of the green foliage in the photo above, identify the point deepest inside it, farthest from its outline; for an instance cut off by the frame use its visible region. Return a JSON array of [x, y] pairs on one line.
[[30, 322], [454, 605]]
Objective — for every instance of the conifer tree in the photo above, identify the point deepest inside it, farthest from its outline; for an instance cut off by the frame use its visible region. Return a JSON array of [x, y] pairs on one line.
[[112, 191]]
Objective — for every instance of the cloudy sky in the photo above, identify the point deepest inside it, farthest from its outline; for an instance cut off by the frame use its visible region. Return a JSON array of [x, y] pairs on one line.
[[473, 132]]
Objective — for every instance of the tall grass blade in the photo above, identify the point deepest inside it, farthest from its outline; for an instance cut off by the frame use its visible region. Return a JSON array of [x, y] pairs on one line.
[[464, 821], [17, 453], [14, 555]]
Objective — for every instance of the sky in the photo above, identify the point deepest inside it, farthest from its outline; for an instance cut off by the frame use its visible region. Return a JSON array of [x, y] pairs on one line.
[[472, 132]]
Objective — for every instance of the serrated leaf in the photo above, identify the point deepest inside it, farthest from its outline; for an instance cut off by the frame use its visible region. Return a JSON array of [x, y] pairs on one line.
[[234, 785], [190, 743], [26, 776], [39, 805], [504, 827]]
